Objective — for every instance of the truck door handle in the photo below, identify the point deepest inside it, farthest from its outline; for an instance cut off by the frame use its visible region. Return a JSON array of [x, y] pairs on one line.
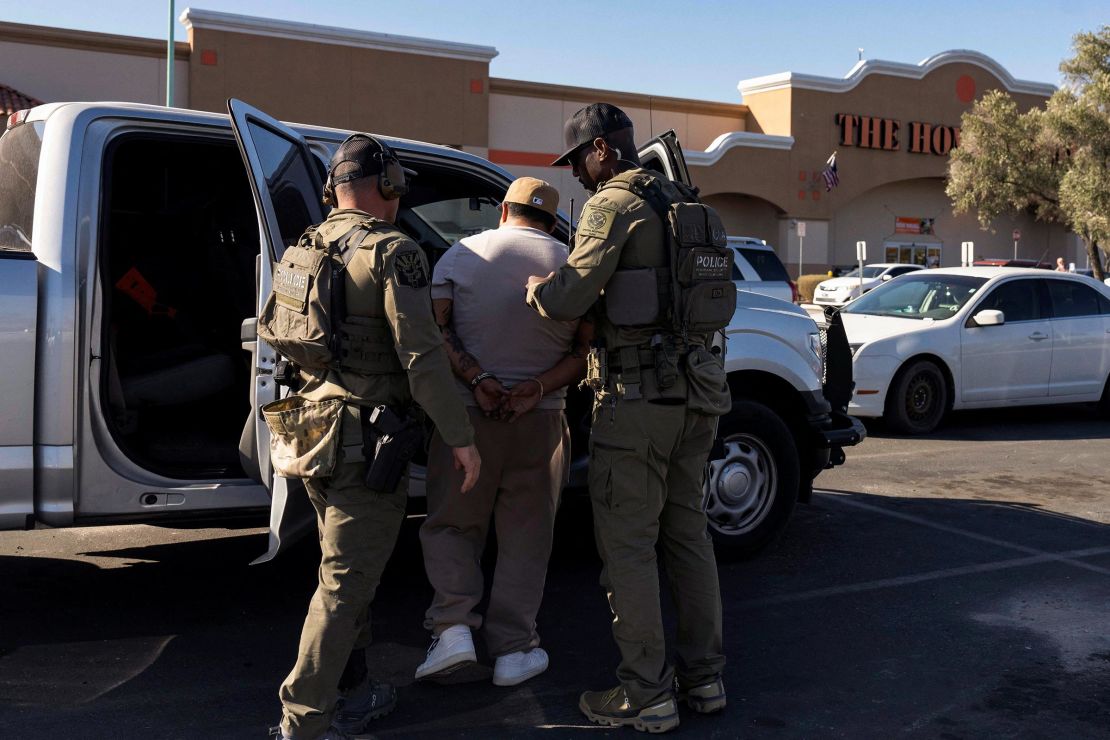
[[1037, 336]]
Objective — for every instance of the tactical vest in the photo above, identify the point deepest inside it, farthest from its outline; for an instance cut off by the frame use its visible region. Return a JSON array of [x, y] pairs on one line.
[[305, 316], [693, 292]]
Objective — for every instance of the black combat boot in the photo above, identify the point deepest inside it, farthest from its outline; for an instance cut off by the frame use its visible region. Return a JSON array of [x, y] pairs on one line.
[[614, 709], [358, 705], [704, 698]]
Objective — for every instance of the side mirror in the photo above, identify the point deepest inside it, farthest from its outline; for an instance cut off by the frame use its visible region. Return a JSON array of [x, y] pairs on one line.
[[989, 317], [887, 277]]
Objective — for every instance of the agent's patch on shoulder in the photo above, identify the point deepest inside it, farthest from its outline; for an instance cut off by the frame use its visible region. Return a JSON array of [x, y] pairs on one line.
[[596, 221], [409, 270]]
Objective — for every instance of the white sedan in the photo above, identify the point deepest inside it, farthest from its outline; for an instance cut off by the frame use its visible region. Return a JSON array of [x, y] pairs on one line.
[[839, 290], [977, 337]]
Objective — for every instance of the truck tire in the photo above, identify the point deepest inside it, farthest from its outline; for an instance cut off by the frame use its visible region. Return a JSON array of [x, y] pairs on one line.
[[751, 481], [917, 399]]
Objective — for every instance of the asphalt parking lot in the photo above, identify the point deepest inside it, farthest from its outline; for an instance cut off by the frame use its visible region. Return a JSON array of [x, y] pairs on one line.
[[952, 586]]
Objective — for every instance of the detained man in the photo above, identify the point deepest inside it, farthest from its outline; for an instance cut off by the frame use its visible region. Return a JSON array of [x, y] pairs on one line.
[[512, 368]]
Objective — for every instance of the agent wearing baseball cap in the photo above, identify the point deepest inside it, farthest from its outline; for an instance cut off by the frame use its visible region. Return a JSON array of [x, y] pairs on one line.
[[512, 368], [648, 443]]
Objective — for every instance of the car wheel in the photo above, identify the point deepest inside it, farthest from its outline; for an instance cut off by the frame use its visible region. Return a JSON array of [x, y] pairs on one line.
[[1104, 403], [917, 399], [751, 480]]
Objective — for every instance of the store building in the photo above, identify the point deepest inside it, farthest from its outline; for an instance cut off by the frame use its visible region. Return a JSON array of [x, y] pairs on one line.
[[758, 162]]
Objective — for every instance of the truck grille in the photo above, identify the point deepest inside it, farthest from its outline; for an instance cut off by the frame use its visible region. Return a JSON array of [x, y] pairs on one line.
[[824, 353]]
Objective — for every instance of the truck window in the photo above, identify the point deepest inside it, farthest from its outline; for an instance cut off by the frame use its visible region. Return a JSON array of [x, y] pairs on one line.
[[766, 263], [19, 174]]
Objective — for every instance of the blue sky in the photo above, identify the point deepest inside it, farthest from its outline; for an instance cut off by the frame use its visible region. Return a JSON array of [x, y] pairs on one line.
[[695, 49]]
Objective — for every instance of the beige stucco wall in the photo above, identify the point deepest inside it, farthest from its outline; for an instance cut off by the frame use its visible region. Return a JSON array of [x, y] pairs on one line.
[[875, 184], [46, 69], [526, 125], [415, 96], [871, 218], [770, 112], [744, 215]]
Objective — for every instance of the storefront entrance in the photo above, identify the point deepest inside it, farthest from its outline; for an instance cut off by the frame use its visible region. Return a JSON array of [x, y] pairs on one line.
[[912, 253]]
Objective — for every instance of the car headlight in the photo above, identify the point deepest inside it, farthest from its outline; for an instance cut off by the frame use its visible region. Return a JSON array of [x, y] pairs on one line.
[[818, 350]]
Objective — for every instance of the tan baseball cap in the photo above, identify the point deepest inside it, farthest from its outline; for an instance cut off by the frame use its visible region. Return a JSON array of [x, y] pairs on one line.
[[530, 191]]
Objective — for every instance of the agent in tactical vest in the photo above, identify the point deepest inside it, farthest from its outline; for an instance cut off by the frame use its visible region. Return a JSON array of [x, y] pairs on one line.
[[351, 308], [661, 260]]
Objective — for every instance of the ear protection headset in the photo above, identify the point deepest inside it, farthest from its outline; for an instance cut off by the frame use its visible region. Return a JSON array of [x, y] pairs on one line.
[[392, 181]]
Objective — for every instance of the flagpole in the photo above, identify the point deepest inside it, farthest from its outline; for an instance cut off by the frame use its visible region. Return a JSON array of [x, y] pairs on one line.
[[169, 60]]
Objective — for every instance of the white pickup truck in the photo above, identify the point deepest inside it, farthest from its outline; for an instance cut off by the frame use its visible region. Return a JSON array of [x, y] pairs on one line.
[[136, 245]]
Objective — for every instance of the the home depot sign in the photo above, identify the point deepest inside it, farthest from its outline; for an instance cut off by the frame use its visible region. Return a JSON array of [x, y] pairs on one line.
[[869, 132]]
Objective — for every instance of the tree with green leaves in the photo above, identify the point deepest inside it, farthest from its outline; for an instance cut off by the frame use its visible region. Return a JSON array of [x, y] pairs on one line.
[[1054, 162]]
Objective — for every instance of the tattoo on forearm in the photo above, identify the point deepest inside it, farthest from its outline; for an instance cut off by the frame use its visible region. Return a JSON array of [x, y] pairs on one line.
[[463, 360]]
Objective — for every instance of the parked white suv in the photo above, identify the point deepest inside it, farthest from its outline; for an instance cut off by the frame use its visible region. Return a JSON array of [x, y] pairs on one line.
[[757, 269], [839, 290], [136, 245]]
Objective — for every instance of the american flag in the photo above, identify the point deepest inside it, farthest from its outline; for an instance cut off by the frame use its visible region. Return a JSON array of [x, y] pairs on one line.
[[829, 173]]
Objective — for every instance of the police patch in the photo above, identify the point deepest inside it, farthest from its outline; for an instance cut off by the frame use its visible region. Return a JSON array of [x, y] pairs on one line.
[[596, 221], [409, 269], [290, 286]]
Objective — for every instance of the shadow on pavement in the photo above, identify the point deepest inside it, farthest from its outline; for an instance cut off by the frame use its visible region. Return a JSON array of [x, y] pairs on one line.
[[873, 616], [1080, 421]]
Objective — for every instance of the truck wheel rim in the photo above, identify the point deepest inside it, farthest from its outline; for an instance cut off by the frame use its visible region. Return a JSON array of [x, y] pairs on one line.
[[740, 485]]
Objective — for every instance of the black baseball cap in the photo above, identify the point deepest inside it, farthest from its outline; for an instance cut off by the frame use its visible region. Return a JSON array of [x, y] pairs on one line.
[[593, 121], [356, 157]]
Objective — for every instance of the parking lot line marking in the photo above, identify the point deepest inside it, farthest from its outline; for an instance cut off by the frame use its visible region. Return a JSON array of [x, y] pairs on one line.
[[936, 575], [842, 498]]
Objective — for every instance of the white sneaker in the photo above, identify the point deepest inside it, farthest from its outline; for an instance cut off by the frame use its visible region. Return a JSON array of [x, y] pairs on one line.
[[518, 667], [453, 649]]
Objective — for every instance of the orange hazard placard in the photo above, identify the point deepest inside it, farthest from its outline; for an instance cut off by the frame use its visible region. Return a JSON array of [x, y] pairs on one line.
[[136, 287]]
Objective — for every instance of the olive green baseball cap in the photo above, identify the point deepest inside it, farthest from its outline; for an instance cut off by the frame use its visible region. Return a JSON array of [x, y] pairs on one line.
[[530, 191]]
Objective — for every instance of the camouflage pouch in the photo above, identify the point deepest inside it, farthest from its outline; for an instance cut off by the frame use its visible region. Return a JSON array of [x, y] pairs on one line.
[[707, 390], [304, 436]]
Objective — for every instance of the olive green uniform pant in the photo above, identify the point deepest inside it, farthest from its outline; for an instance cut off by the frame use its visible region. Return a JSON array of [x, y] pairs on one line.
[[647, 462], [524, 467], [358, 529]]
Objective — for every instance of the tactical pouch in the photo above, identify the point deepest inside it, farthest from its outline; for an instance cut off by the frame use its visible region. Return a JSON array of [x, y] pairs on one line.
[[367, 346], [632, 297], [704, 295], [390, 441], [307, 304], [292, 320], [653, 391], [707, 384], [304, 436]]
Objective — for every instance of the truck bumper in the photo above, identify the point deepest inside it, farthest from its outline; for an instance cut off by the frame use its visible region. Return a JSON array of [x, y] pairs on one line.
[[831, 431]]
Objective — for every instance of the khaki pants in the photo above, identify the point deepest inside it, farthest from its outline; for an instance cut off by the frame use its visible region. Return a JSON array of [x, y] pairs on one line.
[[358, 529], [524, 466], [646, 467]]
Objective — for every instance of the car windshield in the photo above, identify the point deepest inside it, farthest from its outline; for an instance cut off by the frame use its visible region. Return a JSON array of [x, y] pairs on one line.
[[868, 272], [923, 295]]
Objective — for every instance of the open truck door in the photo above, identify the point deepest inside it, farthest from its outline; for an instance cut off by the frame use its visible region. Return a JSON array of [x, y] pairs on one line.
[[285, 180], [664, 154]]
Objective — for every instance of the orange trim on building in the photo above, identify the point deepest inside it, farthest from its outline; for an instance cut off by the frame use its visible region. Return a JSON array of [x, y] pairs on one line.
[[524, 159]]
